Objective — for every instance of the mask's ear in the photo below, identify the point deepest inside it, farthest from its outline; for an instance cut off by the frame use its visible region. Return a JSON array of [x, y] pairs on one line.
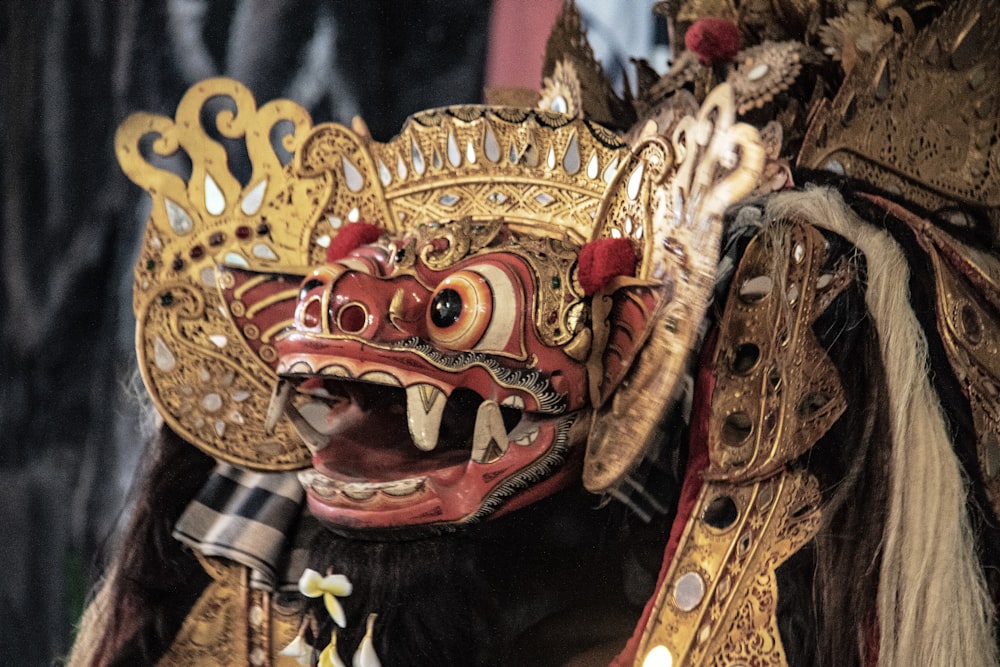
[[621, 316]]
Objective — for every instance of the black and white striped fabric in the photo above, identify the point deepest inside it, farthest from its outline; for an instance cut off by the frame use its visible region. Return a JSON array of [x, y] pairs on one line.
[[251, 518]]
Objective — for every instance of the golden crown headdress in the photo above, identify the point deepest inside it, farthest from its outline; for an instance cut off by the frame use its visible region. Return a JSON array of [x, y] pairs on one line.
[[209, 363]]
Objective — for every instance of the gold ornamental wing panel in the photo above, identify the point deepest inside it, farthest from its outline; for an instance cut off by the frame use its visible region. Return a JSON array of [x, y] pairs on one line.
[[777, 391], [214, 633], [233, 625], [207, 382]]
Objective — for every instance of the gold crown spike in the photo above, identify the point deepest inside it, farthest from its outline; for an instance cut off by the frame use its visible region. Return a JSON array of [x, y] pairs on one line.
[[210, 385], [676, 215], [544, 173], [920, 117]]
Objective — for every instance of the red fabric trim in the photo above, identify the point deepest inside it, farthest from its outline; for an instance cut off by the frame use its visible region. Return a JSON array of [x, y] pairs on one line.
[[690, 490], [602, 260]]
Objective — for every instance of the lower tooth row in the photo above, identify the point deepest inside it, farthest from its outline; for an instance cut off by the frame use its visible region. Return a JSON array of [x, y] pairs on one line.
[[325, 487]]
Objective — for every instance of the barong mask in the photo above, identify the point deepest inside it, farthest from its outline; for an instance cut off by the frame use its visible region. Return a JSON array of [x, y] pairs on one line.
[[437, 328]]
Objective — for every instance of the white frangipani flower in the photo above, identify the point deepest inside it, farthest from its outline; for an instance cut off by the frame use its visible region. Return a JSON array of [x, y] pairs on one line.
[[313, 585]]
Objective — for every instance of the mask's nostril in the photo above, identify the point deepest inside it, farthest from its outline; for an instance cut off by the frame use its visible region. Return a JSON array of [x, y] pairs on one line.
[[352, 318]]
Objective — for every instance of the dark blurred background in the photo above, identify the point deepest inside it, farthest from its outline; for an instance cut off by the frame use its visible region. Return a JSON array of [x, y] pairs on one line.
[[72, 421]]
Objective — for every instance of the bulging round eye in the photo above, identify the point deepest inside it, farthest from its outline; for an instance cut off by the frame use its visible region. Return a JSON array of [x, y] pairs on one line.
[[460, 310]]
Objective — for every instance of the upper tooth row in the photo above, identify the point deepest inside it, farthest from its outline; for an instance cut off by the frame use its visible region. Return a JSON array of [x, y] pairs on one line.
[[304, 368]]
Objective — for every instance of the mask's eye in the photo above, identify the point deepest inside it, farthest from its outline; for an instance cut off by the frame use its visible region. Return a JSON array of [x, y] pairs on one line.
[[475, 309], [460, 310]]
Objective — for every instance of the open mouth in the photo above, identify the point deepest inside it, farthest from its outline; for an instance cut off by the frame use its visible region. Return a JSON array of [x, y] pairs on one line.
[[370, 436]]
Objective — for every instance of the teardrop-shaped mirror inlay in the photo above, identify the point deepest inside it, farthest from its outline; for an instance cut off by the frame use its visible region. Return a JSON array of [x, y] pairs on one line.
[[401, 169], [236, 260], [384, 174], [490, 146], [454, 155], [470, 152], [180, 221], [352, 177], [215, 202], [417, 157], [634, 181], [253, 200], [162, 356], [571, 159], [592, 166], [264, 251], [610, 171]]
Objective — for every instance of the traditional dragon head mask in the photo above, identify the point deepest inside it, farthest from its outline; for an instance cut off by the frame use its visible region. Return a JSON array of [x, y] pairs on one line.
[[432, 328]]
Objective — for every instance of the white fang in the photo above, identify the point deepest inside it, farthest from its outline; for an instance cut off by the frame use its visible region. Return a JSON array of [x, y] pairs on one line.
[[489, 439], [424, 407]]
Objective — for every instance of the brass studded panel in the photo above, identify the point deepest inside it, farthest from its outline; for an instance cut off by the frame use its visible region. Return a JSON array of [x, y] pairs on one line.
[[718, 603]]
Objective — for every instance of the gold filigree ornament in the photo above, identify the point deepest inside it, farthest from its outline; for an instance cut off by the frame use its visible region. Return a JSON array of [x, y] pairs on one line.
[[233, 623], [571, 71], [561, 90], [921, 117], [764, 71], [209, 385], [676, 219]]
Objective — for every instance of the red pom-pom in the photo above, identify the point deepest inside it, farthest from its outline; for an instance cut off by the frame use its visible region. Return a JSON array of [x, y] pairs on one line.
[[602, 260], [713, 40], [352, 237]]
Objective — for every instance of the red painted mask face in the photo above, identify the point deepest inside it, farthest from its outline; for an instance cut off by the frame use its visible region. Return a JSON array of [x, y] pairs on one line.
[[430, 377]]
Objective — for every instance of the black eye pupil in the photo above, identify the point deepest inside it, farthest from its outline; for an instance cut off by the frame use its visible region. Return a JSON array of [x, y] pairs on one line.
[[446, 307]]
